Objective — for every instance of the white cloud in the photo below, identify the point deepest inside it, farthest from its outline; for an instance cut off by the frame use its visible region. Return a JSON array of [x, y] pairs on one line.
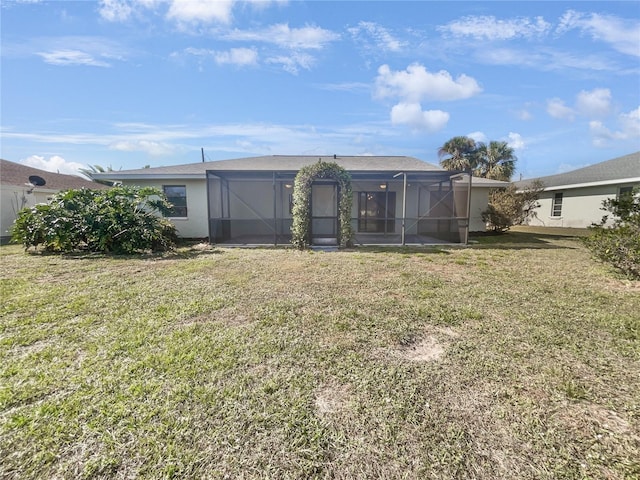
[[237, 56], [478, 137], [515, 141], [491, 28], [115, 10], [294, 62], [150, 147], [629, 129], [55, 164], [73, 50], [545, 60], [200, 11], [524, 114], [593, 104], [308, 37], [382, 38], [416, 83], [622, 34], [596, 103], [183, 12], [557, 109], [240, 57], [72, 57], [630, 123], [412, 114]]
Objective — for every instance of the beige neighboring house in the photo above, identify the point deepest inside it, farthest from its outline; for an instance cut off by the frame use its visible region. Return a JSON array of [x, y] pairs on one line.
[[574, 199], [22, 186], [248, 201]]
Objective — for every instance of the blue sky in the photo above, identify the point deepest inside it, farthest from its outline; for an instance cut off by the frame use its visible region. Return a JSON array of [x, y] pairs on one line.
[[129, 83]]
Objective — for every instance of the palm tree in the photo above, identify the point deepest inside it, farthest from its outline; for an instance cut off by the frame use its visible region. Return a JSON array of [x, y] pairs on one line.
[[496, 161], [459, 153], [93, 169]]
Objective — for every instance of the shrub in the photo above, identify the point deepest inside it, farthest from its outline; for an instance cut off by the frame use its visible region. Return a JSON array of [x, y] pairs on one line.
[[508, 206], [619, 243], [119, 220]]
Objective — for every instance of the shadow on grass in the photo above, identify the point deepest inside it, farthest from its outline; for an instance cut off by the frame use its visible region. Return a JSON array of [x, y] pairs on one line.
[[520, 240], [423, 249], [186, 252]]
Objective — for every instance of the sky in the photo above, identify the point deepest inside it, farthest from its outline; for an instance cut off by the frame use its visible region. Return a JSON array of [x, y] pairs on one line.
[[133, 83]]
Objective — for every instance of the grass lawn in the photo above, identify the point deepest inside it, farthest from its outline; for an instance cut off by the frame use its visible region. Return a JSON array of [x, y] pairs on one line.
[[516, 358]]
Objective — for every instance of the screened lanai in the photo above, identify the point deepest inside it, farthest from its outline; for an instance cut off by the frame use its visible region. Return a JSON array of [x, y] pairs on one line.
[[389, 207]]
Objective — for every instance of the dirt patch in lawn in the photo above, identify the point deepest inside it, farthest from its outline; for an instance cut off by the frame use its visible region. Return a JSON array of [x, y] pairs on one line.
[[427, 349], [593, 418], [332, 398]]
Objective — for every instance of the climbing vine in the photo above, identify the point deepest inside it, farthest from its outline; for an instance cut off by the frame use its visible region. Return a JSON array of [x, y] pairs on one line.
[[301, 227]]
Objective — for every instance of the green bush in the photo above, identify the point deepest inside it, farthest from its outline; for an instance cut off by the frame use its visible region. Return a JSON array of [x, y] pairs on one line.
[[619, 243], [508, 206], [119, 220]]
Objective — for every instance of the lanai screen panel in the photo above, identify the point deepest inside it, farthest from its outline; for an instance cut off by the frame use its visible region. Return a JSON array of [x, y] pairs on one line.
[[249, 209], [441, 211]]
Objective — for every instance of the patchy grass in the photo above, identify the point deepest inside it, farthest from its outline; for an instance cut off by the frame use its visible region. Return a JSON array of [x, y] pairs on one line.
[[518, 357]]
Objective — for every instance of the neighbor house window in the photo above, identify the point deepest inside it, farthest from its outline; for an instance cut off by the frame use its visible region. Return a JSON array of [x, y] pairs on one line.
[[556, 208], [625, 191], [177, 196]]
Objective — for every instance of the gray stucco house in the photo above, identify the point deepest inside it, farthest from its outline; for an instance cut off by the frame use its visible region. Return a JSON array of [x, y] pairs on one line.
[[574, 199], [249, 200]]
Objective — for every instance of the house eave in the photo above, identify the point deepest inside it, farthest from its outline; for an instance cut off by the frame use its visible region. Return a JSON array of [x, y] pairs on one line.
[[619, 181], [155, 176]]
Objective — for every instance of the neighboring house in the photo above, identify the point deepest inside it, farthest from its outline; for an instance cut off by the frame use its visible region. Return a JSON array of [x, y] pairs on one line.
[[249, 200], [574, 199], [22, 186]]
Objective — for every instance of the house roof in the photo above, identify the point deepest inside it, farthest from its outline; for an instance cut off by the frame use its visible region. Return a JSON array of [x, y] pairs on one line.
[[280, 163], [16, 174], [289, 164], [625, 169]]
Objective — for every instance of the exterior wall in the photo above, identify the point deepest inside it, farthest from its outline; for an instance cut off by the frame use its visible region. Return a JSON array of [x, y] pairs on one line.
[[253, 206], [580, 206], [195, 225], [12, 199], [479, 202]]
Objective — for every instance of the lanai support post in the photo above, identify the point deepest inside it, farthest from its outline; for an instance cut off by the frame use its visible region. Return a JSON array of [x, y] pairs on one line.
[[275, 212], [404, 204]]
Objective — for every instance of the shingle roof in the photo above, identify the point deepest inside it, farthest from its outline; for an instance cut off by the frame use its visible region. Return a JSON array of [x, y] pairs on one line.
[[616, 170], [286, 163], [16, 174], [291, 164]]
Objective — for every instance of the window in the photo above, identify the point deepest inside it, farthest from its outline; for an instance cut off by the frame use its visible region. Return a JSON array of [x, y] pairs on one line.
[[556, 208], [177, 195], [376, 212], [625, 191]]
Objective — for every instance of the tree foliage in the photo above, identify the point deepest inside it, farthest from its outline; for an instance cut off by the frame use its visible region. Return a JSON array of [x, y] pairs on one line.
[[93, 169], [120, 220], [458, 153], [495, 160], [618, 242], [508, 206], [301, 226]]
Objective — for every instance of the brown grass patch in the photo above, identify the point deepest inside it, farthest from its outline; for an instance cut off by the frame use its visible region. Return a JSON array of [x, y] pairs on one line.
[[427, 349], [332, 399]]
